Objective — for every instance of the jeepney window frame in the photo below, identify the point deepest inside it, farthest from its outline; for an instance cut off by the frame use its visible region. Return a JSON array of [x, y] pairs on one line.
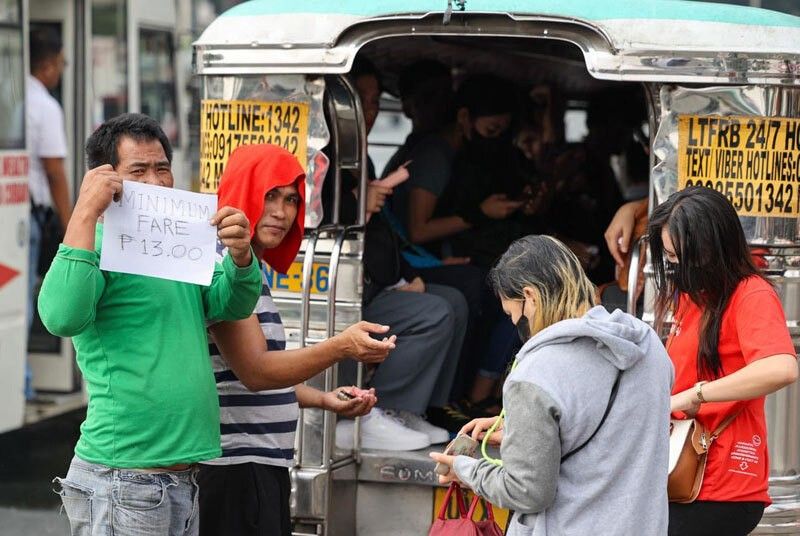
[[172, 57], [23, 71]]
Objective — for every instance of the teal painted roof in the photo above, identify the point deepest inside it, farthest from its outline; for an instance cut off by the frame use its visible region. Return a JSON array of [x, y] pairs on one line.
[[596, 10]]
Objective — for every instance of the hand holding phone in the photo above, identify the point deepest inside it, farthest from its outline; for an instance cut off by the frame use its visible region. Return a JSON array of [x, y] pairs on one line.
[[398, 176], [462, 445]]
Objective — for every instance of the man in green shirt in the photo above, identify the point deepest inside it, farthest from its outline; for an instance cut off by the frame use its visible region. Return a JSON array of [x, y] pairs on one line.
[[141, 346]]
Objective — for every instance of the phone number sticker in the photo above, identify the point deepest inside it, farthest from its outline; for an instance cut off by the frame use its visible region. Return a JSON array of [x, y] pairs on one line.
[[753, 161], [227, 124]]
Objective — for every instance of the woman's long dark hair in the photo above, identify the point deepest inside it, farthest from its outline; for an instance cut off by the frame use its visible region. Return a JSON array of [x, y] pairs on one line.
[[713, 259]]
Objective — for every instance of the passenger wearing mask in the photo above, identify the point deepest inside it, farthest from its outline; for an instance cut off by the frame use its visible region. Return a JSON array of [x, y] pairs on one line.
[[429, 320], [573, 401], [730, 347], [425, 89], [487, 192], [425, 203]]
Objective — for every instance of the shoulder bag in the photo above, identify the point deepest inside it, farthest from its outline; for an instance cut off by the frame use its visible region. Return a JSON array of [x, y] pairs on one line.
[[689, 442]]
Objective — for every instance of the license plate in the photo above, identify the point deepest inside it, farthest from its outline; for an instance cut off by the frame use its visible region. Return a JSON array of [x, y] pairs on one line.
[[501, 515], [292, 281]]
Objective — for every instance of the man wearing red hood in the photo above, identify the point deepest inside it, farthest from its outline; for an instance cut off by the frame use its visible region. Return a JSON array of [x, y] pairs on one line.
[[246, 491]]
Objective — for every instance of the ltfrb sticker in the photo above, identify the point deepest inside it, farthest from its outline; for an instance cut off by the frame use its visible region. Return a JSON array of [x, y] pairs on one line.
[[753, 161], [227, 124]]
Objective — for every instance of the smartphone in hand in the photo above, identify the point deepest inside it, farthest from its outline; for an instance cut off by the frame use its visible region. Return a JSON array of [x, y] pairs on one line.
[[462, 445], [394, 178]]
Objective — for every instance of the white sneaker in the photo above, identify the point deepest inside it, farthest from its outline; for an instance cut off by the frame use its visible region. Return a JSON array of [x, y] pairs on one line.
[[382, 432], [419, 424]]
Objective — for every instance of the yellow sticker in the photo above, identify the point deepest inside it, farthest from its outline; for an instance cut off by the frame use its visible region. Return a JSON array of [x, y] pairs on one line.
[[227, 124], [292, 280], [501, 515], [753, 161]]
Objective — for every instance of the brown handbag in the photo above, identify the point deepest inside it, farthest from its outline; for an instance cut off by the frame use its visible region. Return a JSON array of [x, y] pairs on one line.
[[689, 442]]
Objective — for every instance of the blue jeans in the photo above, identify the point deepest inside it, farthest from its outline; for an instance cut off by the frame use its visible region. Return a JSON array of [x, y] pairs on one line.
[[35, 239], [101, 501]]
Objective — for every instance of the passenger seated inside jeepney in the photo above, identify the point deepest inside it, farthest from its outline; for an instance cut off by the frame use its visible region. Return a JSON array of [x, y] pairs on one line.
[[429, 320], [586, 189], [426, 89], [428, 100]]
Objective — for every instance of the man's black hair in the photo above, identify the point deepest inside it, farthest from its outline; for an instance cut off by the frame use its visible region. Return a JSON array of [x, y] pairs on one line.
[[421, 75], [426, 90], [101, 147], [45, 43], [364, 67], [486, 94]]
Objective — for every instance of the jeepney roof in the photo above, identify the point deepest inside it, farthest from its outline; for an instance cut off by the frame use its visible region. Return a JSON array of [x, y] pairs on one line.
[[584, 9], [337, 16], [324, 36]]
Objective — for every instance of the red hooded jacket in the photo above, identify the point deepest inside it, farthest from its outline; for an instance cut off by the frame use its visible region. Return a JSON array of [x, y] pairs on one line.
[[251, 172]]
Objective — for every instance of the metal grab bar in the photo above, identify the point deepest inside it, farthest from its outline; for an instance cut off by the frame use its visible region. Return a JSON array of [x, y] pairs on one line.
[[328, 420], [633, 275], [305, 320]]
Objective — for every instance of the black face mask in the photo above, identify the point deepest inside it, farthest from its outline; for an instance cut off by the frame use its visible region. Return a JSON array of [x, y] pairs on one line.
[[523, 328]]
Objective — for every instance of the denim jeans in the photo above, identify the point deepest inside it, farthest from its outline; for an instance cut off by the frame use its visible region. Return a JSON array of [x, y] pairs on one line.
[[35, 239], [101, 501]]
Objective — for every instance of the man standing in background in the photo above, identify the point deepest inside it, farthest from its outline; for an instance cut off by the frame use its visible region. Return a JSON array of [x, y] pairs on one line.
[[49, 191]]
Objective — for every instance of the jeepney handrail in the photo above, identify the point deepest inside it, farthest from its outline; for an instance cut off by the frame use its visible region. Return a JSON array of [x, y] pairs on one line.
[[331, 372], [305, 318], [337, 170], [305, 297], [362, 145], [362, 221], [633, 275]]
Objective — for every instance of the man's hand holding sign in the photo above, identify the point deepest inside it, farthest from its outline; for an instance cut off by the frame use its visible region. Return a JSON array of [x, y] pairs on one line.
[[155, 230], [233, 231]]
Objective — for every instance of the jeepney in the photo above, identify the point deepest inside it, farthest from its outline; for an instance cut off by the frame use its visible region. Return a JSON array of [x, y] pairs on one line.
[[276, 72]]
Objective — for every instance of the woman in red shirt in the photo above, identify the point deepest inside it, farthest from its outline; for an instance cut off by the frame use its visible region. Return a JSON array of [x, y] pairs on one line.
[[730, 348]]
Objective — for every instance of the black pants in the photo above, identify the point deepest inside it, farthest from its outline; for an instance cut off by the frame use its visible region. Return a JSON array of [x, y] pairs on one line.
[[248, 499], [709, 518]]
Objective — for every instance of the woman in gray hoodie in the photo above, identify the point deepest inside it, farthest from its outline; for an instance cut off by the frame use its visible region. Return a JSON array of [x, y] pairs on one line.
[[584, 438]]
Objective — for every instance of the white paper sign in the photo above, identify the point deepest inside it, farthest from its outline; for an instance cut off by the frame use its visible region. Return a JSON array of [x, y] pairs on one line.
[[160, 232]]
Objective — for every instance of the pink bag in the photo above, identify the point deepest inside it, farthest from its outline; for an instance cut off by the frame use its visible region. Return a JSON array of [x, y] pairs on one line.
[[488, 526], [460, 526]]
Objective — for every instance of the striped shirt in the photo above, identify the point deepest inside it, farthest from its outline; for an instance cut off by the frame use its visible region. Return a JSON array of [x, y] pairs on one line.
[[256, 427]]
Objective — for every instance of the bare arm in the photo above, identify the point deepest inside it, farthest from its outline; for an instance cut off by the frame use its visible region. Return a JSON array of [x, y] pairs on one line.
[[619, 232], [755, 380], [422, 226], [59, 189], [308, 397], [243, 346]]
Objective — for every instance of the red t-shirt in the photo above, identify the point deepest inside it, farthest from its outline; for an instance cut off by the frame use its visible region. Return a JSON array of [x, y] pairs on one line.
[[753, 327]]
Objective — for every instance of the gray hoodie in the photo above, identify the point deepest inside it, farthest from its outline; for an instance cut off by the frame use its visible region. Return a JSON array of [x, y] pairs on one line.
[[555, 398]]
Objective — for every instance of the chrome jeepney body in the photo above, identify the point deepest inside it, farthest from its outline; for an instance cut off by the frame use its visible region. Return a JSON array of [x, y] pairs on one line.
[[735, 61]]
